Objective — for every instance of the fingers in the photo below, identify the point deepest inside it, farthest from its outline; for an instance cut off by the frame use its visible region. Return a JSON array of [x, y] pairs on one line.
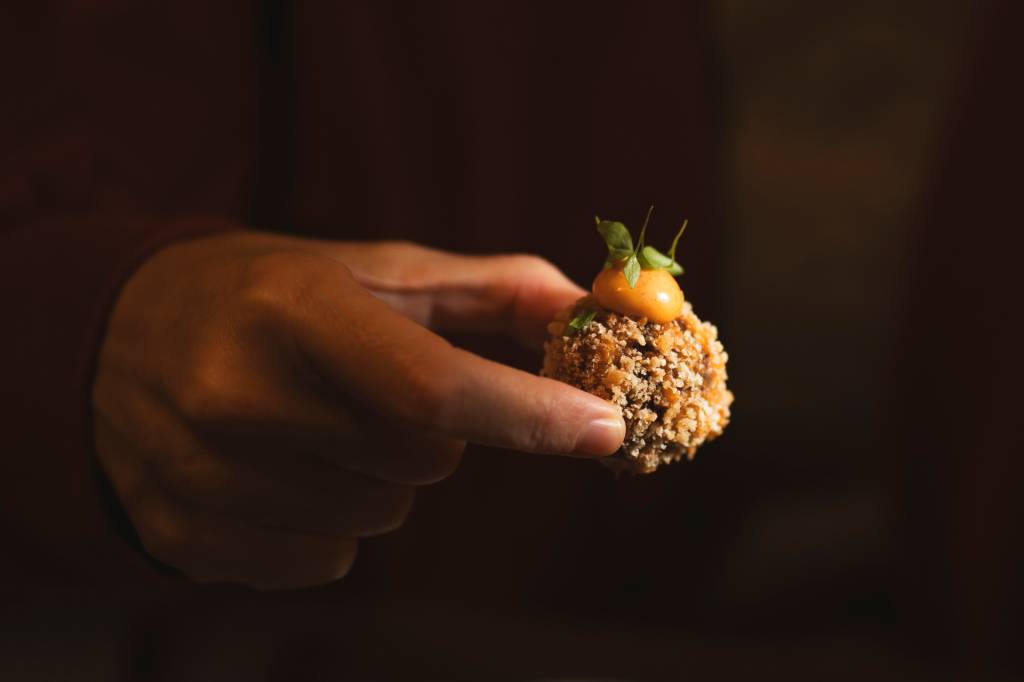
[[290, 418], [400, 369], [515, 294], [256, 473], [211, 549], [400, 453], [297, 492], [369, 445], [359, 441]]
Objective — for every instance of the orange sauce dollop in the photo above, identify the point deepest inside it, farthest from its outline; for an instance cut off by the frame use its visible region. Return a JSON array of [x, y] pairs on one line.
[[655, 296]]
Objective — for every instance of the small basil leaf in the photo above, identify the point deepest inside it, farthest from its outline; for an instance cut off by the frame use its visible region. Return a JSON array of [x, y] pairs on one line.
[[632, 271], [582, 320], [616, 255], [645, 264], [656, 259], [615, 235]]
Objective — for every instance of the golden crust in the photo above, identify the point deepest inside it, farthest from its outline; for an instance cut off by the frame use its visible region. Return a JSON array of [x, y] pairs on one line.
[[668, 379]]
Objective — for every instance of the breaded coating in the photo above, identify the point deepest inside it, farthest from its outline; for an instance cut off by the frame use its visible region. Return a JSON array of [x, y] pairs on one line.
[[668, 379]]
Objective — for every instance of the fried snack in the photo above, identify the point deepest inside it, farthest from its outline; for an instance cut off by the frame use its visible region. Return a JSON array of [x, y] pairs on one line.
[[667, 377]]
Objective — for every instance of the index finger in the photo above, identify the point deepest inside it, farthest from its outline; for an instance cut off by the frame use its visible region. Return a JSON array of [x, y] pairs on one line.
[[448, 292]]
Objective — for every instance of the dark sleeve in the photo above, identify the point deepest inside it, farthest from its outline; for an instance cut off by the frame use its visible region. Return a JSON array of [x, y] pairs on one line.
[[59, 279], [116, 121]]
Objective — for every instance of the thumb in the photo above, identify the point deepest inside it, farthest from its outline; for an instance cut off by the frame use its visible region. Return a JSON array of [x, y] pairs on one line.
[[377, 356]]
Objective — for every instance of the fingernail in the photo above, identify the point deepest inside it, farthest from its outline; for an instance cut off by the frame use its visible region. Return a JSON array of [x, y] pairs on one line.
[[600, 437]]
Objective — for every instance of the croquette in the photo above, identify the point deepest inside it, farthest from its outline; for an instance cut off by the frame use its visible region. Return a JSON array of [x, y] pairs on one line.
[[668, 379]]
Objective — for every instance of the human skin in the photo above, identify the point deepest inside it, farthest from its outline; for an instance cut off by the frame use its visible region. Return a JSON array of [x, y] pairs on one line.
[[262, 402]]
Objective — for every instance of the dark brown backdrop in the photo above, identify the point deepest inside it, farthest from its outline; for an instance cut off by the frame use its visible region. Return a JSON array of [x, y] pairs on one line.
[[799, 542]]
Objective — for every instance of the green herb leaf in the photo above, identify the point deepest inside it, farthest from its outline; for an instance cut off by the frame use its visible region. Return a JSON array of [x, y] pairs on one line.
[[615, 255], [582, 320], [615, 235], [652, 259], [621, 250], [644, 263], [631, 270]]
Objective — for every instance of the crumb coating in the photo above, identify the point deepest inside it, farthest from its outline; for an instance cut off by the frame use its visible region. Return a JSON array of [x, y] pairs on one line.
[[668, 379]]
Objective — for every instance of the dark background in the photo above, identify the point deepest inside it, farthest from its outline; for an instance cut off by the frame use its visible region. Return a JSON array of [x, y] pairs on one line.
[[850, 179]]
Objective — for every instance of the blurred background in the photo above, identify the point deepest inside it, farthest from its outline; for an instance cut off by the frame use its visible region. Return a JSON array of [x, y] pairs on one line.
[[856, 519]]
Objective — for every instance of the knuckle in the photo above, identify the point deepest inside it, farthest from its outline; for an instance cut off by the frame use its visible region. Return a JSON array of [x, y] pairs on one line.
[[532, 263], [400, 262], [214, 388], [451, 458], [192, 479], [436, 463], [269, 277], [394, 514], [164, 533], [343, 557], [406, 248], [274, 285], [314, 567], [207, 395], [421, 461], [428, 395], [537, 436]]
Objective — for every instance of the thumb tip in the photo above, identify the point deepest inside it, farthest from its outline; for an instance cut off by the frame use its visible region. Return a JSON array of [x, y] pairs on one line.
[[600, 437]]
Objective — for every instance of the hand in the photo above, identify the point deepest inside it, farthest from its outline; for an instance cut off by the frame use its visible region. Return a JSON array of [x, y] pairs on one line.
[[261, 402]]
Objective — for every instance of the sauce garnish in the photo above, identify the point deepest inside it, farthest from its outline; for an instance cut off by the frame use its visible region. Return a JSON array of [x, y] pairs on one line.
[[656, 295]]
